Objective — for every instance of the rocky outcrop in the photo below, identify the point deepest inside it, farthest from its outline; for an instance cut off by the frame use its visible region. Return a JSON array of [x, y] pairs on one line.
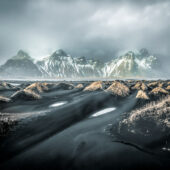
[[98, 85], [118, 89]]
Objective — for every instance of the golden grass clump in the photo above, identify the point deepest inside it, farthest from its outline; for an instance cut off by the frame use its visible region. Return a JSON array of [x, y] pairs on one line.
[[79, 86], [140, 86], [142, 95], [118, 89], [152, 84], [155, 113], [98, 85], [158, 90], [38, 87], [25, 94]]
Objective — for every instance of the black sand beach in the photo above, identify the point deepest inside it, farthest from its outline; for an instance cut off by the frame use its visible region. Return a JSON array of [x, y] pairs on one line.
[[84, 125]]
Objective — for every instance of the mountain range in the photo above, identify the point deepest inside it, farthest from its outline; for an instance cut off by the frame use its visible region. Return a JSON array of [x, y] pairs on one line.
[[61, 65]]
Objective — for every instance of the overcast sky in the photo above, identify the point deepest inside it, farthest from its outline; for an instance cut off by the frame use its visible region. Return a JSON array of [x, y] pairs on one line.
[[93, 28]]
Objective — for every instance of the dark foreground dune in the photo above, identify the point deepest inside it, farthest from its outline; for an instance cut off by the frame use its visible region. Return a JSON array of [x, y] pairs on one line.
[[85, 125]]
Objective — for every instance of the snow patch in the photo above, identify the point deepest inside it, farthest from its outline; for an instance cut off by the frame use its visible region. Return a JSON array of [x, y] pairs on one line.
[[57, 104], [104, 111]]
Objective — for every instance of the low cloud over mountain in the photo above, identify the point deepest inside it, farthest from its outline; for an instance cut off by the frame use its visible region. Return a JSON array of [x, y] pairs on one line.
[[59, 64], [92, 28]]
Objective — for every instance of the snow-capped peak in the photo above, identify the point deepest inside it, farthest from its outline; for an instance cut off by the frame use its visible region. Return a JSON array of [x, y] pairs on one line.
[[62, 65]]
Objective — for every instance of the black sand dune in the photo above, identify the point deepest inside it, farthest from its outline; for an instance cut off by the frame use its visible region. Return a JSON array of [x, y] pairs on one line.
[[58, 130]]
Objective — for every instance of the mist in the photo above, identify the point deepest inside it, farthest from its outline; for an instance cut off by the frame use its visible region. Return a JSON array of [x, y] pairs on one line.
[[95, 29]]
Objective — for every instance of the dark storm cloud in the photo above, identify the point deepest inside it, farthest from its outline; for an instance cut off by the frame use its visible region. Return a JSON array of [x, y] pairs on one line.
[[93, 28]]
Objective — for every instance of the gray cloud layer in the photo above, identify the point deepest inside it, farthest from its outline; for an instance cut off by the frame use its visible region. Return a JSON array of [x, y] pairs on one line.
[[93, 28]]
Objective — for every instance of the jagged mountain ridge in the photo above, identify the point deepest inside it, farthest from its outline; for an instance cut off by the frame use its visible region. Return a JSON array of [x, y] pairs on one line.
[[62, 65], [21, 65], [59, 64], [131, 65]]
